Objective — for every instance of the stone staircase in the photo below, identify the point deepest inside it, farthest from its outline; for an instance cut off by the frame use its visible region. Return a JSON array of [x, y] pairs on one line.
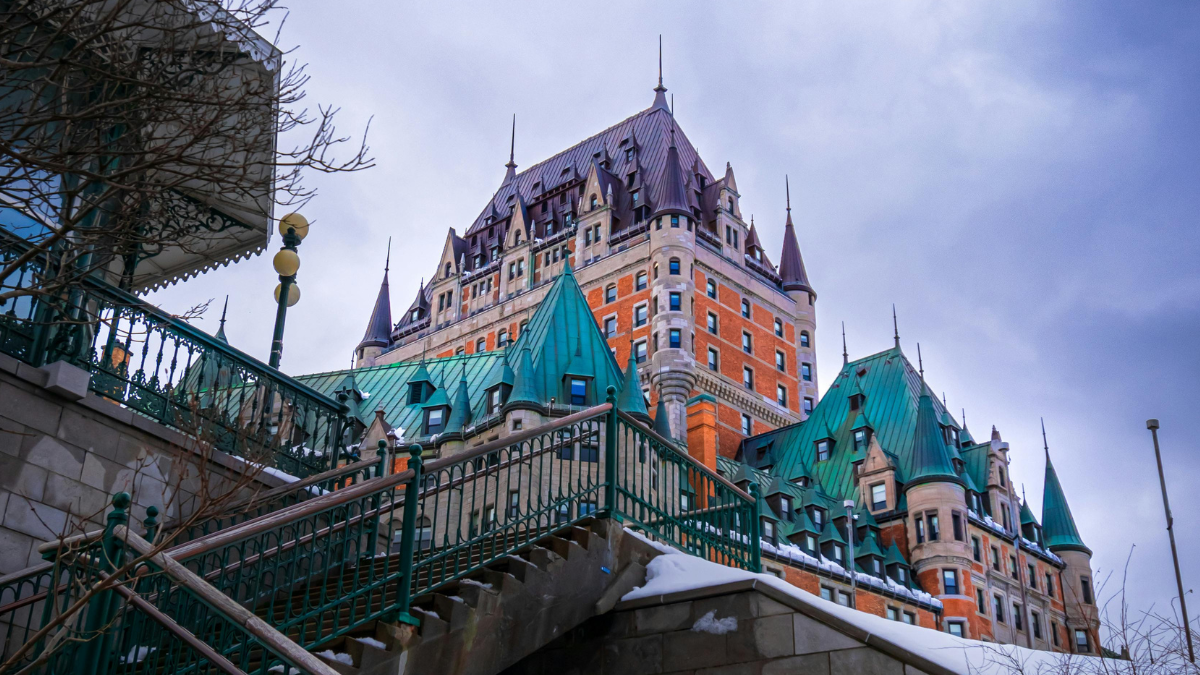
[[501, 613]]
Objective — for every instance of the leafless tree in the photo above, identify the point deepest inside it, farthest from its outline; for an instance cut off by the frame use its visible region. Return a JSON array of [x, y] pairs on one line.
[[133, 127]]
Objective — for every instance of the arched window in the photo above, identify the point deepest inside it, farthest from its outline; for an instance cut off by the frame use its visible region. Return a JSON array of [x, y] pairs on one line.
[[610, 293], [674, 266], [640, 284], [594, 203], [712, 289], [804, 339]]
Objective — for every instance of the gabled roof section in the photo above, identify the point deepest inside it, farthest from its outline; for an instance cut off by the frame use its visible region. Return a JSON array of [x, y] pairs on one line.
[[1058, 525]]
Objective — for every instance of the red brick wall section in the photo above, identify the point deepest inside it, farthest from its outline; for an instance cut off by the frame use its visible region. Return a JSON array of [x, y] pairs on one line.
[[895, 532], [702, 433]]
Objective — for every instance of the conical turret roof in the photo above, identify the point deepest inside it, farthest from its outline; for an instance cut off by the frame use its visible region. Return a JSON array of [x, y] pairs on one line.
[[930, 459], [1058, 526], [671, 192], [379, 327], [661, 422], [524, 392], [460, 410], [631, 401], [791, 264]]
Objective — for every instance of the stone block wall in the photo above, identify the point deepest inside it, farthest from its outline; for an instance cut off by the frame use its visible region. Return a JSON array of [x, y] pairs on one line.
[[63, 457]]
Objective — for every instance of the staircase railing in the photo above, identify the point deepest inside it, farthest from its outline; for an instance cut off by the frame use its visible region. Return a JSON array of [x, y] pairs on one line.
[[167, 370]]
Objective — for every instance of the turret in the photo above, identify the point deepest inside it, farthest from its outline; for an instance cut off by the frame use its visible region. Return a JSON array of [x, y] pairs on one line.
[[379, 328], [1078, 584], [795, 283]]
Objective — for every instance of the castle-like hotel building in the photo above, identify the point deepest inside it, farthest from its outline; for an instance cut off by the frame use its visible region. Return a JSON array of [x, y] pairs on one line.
[[626, 249]]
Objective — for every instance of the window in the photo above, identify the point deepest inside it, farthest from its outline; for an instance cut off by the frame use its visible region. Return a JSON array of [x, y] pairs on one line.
[[956, 522], [1081, 642], [578, 391], [514, 503], [746, 308], [494, 401], [980, 603], [843, 597], [435, 421], [860, 439], [610, 327], [639, 351], [818, 517], [747, 377], [878, 497], [910, 618], [950, 582], [673, 266], [827, 593], [747, 345], [1012, 566], [674, 301], [769, 531], [639, 316], [517, 425], [778, 327], [489, 518], [893, 614], [976, 550], [1054, 632], [954, 628], [747, 424], [502, 338], [587, 237], [920, 527], [780, 362], [640, 282], [610, 293], [1032, 576], [781, 395], [823, 448], [675, 221], [998, 608], [804, 339], [808, 405], [1049, 585], [934, 530], [712, 323], [712, 289], [674, 341], [713, 359], [586, 507], [563, 512], [446, 273], [806, 372], [480, 345], [995, 558], [1035, 622], [1086, 587], [594, 202], [1018, 617]]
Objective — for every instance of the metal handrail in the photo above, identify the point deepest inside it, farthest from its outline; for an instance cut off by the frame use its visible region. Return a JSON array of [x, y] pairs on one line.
[[691, 460]]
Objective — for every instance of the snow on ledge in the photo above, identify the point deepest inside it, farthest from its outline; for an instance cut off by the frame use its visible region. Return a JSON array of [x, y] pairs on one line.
[[675, 572]]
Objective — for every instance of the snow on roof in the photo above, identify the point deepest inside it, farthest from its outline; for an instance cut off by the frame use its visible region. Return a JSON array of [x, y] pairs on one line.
[[676, 572]]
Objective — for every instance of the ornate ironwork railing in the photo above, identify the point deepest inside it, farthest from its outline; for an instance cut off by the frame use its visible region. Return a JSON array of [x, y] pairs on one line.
[[167, 370]]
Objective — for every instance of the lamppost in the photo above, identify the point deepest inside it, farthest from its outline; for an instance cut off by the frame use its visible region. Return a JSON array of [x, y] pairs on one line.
[[850, 533], [1152, 425], [294, 228]]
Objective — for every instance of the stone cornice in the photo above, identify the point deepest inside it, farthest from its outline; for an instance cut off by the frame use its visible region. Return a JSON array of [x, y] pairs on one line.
[[737, 395]]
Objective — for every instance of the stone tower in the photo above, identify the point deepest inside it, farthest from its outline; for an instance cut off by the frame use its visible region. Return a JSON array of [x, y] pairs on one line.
[[1062, 537]]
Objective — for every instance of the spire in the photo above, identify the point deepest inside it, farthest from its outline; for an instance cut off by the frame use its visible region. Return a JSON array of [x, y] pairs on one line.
[[524, 392], [930, 458], [1045, 444], [671, 191], [221, 329], [512, 148], [379, 328], [660, 92], [662, 423], [921, 365], [631, 401], [460, 411], [791, 264], [1058, 526], [845, 354], [895, 326]]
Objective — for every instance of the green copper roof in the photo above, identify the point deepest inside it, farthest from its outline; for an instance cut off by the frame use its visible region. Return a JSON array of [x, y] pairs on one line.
[[1027, 514], [460, 411], [661, 422], [631, 400], [975, 466], [524, 391], [831, 533], [867, 546], [1058, 527], [893, 556], [804, 523], [968, 482], [930, 458]]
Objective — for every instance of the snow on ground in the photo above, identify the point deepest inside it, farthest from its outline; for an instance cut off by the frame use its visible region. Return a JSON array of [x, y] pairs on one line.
[[676, 571], [335, 656], [371, 641]]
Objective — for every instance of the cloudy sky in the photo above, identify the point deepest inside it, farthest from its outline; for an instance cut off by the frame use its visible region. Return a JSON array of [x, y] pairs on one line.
[[1019, 178]]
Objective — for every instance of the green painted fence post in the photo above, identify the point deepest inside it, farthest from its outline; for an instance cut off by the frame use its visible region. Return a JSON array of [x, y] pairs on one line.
[[412, 500], [755, 537], [101, 609], [381, 468], [151, 523], [610, 455]]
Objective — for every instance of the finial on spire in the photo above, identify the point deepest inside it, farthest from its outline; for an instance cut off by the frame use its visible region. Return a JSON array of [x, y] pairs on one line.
[[920, 363], [512, 151], [223, 310], [660, 98], [943, 399], [660, 84], [387, 262], [845, 354], [787, 190], [895, 326], [1045, 445], [964, 411]]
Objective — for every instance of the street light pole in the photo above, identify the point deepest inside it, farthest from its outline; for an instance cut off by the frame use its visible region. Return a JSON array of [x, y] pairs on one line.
[[1152, 425], [850, 533], [293, 227]]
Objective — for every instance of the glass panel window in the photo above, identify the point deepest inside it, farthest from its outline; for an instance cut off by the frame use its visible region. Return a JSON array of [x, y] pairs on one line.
[[610, 327], [746, 308], [781, 395], [893, 614], [778, 328], [806, 372], [673, 266], [711, 287], [1086, 587], [950, 581], [843, 598], [808, 405], [674, 341], [747, 377], [610, 293], [1035, 622], [639, 351], [494, 401], [746, 344], [860, 440], [1018, 617], [804, 339], [780, 362], [639, 316], [713, 358], [976, 549], [435, 421], [823, 450], [1081, 642], [675, 300], [827, 593], [640, 281], [878, 497], [956, 521], [712, 323], [980, 604], [920, 528], [910, 618], [578, 391], [934, 530], [769, 530], [995, 558], [998, 608], [747, 423]]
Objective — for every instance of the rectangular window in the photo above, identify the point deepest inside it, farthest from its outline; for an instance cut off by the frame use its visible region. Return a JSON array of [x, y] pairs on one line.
[[435, 421], [860, 440], [639, 351], [995, 558], [806, 372], [954, 628], [950, 581], [1081, 642], [746, 344], [878, 497], [1018, 617], [1035, 622], [514, 504], [826, 592], [1054, 632], [746, 424], [808, 405], [781, 395], [639, 316], [1032, 576], [934, 530], [843, 596], [674, 341], [778, 328], [910, 618], [747, 377], [712, 323], [713, 362], [1012, 566], [746, 308], [920, 528], [956, 520], [980, 603], [998, 608], [494, 401], [578, 391], [823, 450], [586, 507], [610, 327], [675, 301], [976, 549], [1086, 587], [563, 512], [893, 614], [1049, 585], [780, 362], [769, 531]]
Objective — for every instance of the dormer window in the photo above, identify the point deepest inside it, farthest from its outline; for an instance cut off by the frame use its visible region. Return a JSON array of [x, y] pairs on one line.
[[636, 194], [837, 553], [860, 439], [824, 449], [629, 154], [416, 393], [768, 531], [435, 421], [818, 517], [785, 507], [415, 314], [802, 481], [856, 401], [495, 398], [594, 202], [577, 391]]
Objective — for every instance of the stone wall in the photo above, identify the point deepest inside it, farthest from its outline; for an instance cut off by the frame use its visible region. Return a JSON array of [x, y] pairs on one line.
[[735, 629], [64, 452]]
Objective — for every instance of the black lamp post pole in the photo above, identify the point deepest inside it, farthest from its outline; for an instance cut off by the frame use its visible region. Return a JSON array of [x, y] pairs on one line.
[[1152, 425], [290, 242]]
